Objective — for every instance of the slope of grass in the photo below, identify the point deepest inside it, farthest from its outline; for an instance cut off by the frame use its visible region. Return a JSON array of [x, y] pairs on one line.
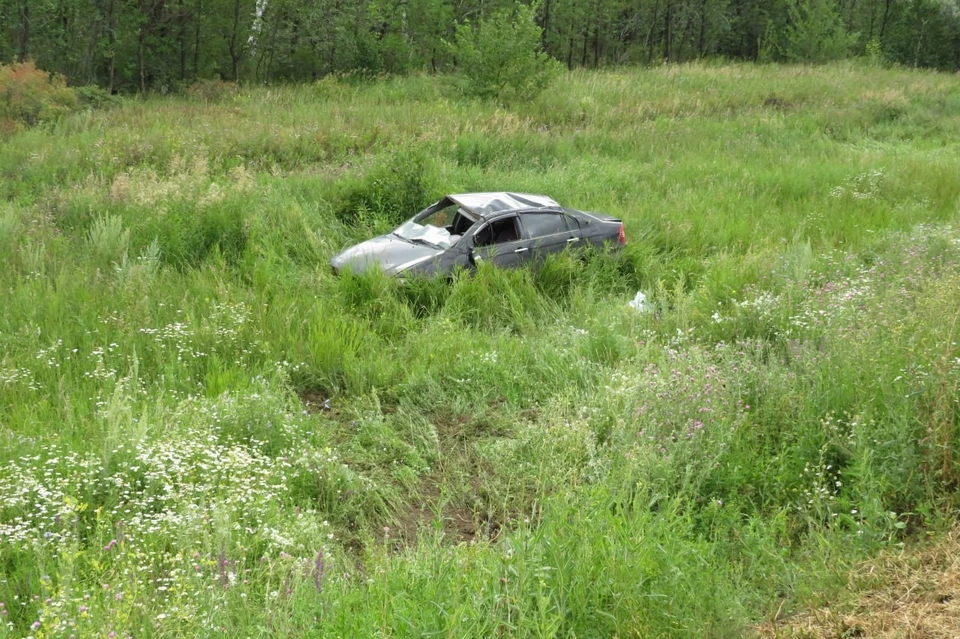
[[204, 432]]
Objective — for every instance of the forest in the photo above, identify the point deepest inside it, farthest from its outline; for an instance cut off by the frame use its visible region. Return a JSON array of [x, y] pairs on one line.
[[162, 45]]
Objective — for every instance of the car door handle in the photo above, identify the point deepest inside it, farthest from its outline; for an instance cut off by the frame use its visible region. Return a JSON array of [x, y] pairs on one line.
[[573, 239], [522, 249]]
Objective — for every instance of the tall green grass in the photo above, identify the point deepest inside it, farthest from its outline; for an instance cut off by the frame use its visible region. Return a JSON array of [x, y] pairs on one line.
[[204, 431]]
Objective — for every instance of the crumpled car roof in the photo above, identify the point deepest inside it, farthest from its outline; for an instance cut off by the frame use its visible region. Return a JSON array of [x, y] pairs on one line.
[[483, 204]]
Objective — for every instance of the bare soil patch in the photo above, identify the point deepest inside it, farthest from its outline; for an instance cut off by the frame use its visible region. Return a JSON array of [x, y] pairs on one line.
[[457, 522], [314, 400]]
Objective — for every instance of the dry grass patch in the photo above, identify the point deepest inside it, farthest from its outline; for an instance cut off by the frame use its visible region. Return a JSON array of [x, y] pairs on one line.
[[909, 595]]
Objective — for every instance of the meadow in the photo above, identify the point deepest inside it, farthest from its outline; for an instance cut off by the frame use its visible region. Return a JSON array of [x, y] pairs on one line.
[[203, 432]]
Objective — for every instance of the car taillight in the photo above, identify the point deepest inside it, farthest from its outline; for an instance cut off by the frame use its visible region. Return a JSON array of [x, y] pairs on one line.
[[623, 235]]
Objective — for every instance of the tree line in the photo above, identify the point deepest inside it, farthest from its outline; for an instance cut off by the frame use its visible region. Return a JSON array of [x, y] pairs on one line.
[[141, 45]]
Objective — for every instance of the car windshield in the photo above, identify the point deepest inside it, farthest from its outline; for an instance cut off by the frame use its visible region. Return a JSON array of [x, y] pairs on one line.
[[435, 226], [427, 233]]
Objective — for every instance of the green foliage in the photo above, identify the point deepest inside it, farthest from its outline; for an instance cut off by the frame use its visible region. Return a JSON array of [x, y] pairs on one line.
[[874, 52], [108, 240], [501, 56], [29, 95], [815, 33], [494, 300], [396, 186], [166, 47], [95, 97]]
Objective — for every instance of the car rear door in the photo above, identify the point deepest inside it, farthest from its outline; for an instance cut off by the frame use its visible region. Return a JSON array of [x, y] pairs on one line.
[[549, 232]]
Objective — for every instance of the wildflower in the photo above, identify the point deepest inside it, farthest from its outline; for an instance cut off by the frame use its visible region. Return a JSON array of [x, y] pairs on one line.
[[222, 564], [319, 568], [109, 547]]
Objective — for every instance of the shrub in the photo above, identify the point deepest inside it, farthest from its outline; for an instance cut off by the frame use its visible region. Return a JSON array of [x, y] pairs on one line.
[[96, 98], [8, 127], [29, 95], [501, 57], [108, 240], [874, 53], [396, 187]]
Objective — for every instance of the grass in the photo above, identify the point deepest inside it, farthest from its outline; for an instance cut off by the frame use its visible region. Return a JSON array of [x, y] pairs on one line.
[[203, 432]]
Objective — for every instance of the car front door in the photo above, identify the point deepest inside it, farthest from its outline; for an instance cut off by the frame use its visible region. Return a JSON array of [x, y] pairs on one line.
[[549, 232], [500, 242]]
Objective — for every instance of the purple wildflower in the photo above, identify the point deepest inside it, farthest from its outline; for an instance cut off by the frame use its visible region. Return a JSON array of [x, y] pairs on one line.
[[222, 563], [319, 568]]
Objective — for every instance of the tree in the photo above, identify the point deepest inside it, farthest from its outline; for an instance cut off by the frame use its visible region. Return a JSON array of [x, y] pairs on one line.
[[501, 56], [815, 33], [143, 45]]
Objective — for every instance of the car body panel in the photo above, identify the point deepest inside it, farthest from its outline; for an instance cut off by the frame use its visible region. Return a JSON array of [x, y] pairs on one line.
[[385, 251], [485, 204]]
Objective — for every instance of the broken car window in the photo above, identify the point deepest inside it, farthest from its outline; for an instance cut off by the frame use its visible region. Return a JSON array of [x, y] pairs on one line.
[[440, 225]]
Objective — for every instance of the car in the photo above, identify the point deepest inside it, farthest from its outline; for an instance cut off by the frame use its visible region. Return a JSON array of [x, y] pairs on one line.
[[461, 231]]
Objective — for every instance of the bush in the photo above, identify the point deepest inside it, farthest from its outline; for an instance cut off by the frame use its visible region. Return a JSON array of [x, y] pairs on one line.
[[29, 95], [395, 188], [873, 53], [96, 98], [501, 56]]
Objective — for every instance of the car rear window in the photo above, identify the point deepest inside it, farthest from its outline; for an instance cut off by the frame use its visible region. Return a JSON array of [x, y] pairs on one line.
[[540, 224]]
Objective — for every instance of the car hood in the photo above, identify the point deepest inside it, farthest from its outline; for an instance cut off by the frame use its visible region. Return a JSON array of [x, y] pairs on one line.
[[388, 252]]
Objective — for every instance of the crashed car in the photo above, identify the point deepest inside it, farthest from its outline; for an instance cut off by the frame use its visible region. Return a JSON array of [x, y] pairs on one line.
[[461, 231]]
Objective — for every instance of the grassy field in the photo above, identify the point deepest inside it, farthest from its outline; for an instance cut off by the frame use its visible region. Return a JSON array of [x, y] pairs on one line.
[[204, 433]]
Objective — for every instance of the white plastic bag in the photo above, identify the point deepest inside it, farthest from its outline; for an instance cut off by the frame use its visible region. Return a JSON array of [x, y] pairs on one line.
[[639, 303]]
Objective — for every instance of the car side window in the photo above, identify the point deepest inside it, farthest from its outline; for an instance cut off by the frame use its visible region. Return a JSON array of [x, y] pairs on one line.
[[461, 223], [540, 224], [498, 232]]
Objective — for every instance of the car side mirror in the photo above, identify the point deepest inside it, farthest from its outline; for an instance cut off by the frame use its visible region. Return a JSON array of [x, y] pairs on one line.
[[475, 257]]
